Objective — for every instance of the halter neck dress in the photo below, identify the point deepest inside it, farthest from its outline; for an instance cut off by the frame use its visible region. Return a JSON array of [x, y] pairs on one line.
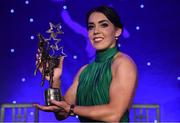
[[95, 81]]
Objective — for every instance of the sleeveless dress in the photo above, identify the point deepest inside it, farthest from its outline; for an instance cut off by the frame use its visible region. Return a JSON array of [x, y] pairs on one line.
[[95, 81]]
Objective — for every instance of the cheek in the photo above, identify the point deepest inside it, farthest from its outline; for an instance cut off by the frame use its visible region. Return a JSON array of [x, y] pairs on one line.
[[109, 35], [90, 36], [109, 32]]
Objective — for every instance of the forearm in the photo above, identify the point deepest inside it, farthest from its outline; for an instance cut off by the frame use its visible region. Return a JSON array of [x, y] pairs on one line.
[[105, 112]]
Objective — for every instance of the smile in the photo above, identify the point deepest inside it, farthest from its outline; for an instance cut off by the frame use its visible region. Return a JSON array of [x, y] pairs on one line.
[[97, 39]]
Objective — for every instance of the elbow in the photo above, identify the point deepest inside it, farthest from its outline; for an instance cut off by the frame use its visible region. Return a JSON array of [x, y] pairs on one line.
[[61, 116], [114, 114], [115, 117]]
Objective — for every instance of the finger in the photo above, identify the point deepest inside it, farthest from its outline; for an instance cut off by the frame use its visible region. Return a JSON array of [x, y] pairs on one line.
[[57, 103], [61, 61], [61, 104], [46, 108], [41, 107], [62, 57]]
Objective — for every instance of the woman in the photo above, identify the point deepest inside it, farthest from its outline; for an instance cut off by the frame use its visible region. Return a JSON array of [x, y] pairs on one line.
[[102, 90]]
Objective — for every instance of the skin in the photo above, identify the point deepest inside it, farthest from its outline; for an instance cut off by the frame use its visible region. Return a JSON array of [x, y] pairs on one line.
[[102, 32], [102, 35]]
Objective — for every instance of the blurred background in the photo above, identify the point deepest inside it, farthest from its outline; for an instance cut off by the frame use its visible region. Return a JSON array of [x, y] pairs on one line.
[[151, 37]]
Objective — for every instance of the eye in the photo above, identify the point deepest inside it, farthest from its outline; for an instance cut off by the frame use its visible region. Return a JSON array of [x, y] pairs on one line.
[[90, 27], [104, 25]]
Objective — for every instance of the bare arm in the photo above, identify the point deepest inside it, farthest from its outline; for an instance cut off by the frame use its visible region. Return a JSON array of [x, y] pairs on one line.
[[121, 93], [60, 113], [71, 93], [70, 96]]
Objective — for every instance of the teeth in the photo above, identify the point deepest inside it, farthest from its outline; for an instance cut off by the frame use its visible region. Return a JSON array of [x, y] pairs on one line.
[[97, 39]]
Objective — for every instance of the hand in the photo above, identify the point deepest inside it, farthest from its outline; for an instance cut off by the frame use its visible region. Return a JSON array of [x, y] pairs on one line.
[[52, 108], [55, 107], [61, 104], [57, 71], [60, 113]]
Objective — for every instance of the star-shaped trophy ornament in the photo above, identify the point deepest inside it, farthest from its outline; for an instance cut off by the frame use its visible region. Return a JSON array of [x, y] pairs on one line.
[[54, 30], [49, 54]]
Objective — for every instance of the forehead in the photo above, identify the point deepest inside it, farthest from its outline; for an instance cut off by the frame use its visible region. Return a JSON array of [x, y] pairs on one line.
[[96, 17]]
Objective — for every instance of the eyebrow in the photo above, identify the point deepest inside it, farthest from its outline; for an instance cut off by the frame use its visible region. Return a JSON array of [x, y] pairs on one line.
[[98, 22]]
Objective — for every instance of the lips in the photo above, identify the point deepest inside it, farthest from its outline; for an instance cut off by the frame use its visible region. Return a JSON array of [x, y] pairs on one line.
[[97, 39]]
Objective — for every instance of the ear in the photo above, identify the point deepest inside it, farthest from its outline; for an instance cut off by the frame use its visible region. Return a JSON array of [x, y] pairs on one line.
[[118, 32]]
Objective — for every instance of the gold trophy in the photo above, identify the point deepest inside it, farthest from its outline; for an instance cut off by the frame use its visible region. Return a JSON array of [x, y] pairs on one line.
[[48, 60]]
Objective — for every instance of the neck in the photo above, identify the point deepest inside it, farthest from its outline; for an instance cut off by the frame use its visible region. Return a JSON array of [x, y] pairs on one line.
[[103, 55]]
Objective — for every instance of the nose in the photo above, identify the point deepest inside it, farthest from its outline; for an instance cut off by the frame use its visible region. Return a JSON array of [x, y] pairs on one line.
[[96, 30]]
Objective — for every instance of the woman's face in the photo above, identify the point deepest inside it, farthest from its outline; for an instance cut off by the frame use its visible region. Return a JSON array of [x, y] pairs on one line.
[[101, 31]]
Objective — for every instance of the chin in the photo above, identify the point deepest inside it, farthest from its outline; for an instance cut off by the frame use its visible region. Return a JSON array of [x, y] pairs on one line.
[[102, 47], [99, 48]]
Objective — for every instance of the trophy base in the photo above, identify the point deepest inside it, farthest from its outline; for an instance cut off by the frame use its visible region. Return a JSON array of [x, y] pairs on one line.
[[52, 94]]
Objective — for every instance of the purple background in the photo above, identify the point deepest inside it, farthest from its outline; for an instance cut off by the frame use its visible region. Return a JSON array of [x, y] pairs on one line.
[[151, 38]]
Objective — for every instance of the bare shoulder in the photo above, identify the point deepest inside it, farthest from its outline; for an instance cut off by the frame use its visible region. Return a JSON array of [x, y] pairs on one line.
[[123, 62], [79, 72], [82, 68]]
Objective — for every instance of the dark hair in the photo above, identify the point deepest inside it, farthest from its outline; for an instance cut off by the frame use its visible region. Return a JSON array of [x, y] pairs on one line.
[[109, 12]]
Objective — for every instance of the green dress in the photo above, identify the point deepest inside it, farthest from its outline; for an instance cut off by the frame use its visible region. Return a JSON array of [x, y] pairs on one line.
[[95, 81]]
